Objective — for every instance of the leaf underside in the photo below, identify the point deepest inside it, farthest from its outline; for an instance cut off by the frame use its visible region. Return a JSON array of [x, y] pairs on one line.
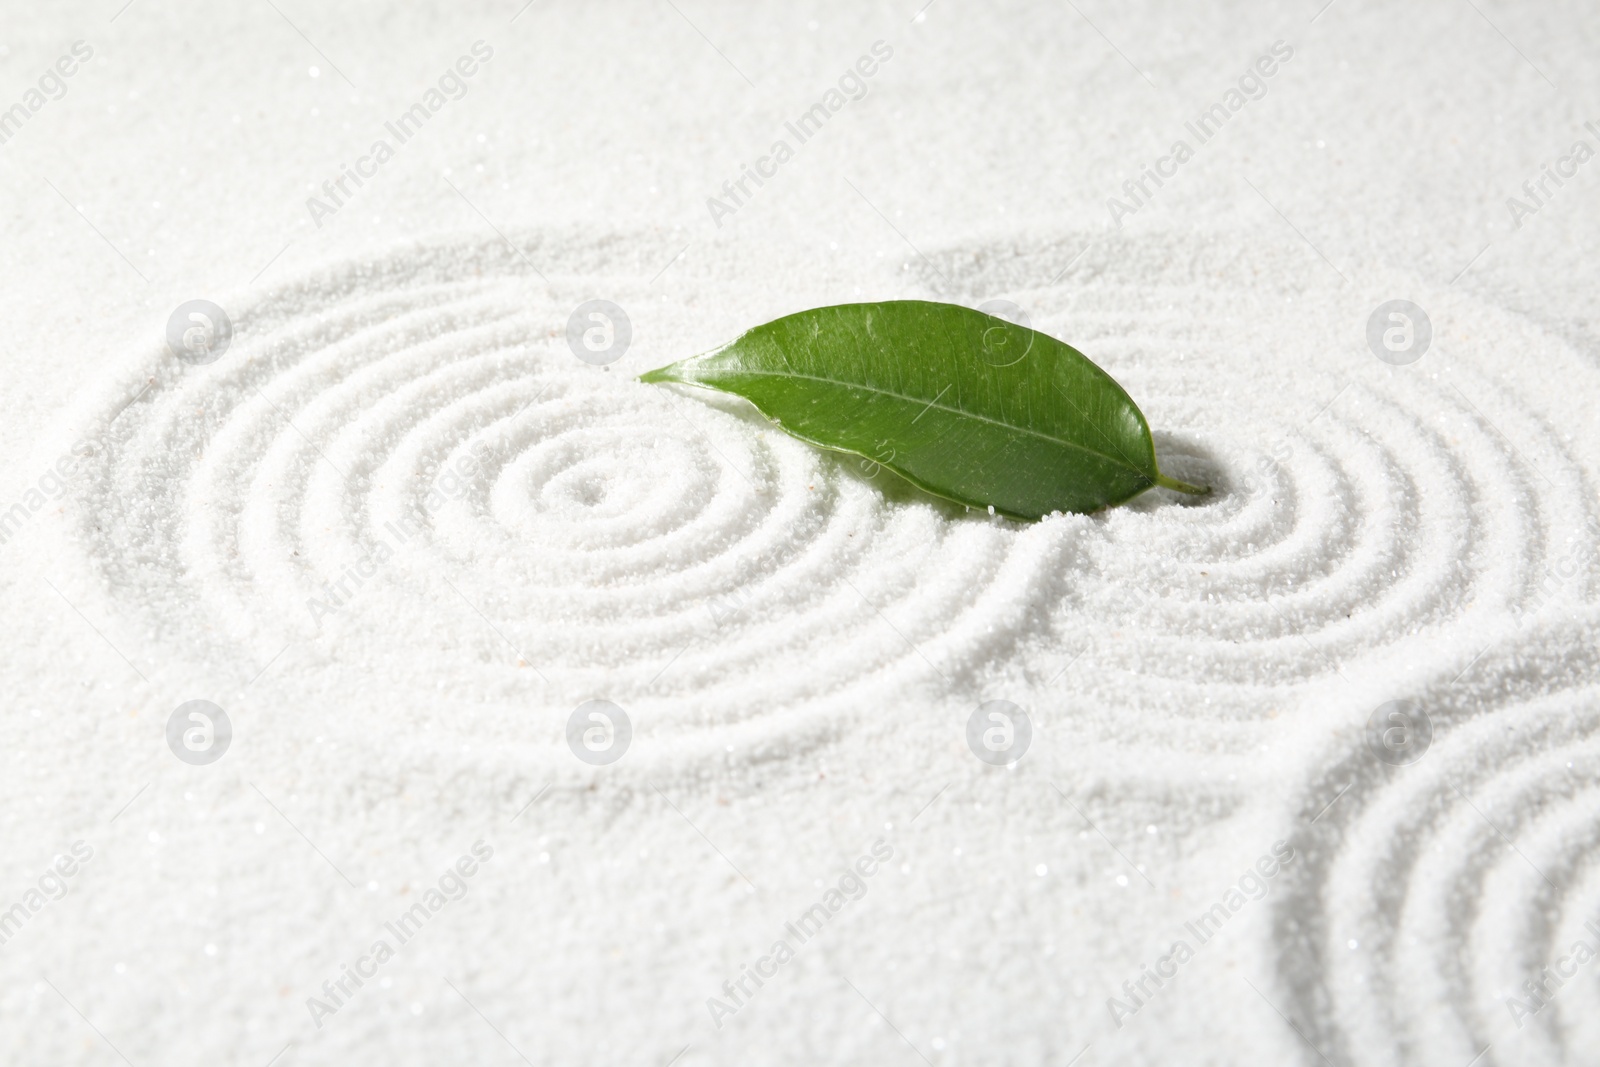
[[963, 405]]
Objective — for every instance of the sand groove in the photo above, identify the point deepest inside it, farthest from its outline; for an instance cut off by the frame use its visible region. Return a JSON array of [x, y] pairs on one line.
[[400, 467]]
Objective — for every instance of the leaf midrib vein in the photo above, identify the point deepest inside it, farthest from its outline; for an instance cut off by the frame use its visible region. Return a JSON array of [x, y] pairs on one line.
[[1115, 461]]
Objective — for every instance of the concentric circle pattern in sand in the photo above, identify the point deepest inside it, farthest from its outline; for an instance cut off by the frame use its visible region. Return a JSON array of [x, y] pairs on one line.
[[1360, 506], [400, 467], [1437, 898], [407, 448]]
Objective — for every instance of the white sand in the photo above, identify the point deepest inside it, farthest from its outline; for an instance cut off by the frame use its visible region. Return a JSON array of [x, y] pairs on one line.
[[798, 649]]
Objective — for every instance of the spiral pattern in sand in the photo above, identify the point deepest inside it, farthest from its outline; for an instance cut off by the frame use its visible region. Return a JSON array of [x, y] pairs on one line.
[[407, 447], [1358, 504], [402, 467]]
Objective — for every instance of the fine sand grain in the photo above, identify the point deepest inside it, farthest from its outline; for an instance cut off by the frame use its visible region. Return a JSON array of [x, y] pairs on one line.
[[399, 533]]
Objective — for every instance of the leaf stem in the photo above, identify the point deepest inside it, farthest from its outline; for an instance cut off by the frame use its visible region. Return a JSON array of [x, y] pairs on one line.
[[1181, 487]]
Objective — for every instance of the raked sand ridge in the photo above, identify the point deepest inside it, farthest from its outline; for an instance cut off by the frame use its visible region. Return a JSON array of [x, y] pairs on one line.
[[400, 533], [402, 474]]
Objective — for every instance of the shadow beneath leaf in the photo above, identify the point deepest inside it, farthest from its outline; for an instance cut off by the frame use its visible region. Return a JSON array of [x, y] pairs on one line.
[[896, 490], [1188, 459]]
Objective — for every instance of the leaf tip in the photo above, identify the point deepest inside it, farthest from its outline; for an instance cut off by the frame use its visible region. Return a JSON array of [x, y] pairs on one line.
[[669, 373]]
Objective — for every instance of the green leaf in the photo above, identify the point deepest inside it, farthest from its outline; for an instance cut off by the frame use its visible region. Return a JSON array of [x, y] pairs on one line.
[[961, 404]]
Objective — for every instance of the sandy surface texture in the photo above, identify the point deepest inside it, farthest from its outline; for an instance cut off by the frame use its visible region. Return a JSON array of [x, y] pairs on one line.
[[392, 678]]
